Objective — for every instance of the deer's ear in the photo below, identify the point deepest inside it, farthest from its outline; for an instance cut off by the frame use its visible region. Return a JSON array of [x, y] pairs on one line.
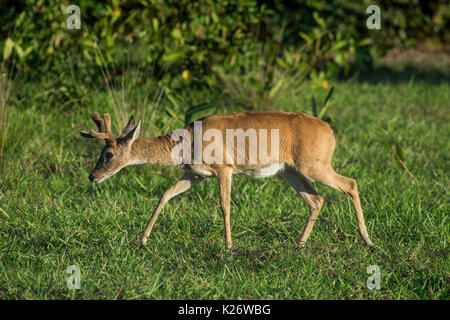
[[130, 125], [133, 134]]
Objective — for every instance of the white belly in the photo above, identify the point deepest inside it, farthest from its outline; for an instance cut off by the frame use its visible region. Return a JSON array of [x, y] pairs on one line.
[[262, 172], [203, 172]]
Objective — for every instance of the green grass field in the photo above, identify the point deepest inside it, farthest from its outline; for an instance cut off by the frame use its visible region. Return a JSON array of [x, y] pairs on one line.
[[52, 217]]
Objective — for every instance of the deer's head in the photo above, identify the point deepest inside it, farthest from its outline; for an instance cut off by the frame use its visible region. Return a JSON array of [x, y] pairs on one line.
[[117, 152]]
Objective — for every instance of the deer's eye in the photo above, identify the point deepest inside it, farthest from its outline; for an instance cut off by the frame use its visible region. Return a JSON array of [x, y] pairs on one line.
[[109, 155]]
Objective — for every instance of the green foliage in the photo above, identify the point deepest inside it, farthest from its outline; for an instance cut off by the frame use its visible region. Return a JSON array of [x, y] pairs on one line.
[[325, 106], [179, 35], [315, 37]]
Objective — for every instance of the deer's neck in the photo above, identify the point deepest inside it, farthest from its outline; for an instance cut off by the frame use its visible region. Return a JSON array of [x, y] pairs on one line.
[[153, 151]]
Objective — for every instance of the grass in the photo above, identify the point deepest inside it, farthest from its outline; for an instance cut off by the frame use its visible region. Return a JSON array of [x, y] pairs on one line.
[[51, 217]]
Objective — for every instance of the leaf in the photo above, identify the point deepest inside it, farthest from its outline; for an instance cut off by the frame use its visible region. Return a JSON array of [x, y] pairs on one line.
[[29, 49], [277, 87], [172, 98], [329, 120], [307, 37], [339, 45], [282, 63], [7, 49], [325, 103], [330, 93], [387, 146], [319, 20], [314, 106], [364, 42], [171, 112], [399, 156], [110, 41], [98, 60], [194, 109], [171, 57], [399, 151], [155, 23], [175, 100], [176, 33], [19, 51]]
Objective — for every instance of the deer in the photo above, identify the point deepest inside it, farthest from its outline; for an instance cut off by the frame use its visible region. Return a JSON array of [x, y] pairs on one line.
[[305, 148]]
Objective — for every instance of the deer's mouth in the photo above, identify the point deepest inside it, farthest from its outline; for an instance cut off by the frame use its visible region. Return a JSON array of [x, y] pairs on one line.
[[104, 177], [94, 179]]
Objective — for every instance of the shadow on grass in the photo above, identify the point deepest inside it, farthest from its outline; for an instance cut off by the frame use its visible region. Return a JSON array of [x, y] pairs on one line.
[[403, 73]]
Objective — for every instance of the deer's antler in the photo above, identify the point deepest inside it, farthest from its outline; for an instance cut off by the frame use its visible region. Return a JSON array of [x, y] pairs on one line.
[[104, 128]]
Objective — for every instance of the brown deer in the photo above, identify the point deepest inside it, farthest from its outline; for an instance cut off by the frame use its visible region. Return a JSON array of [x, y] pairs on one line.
[[304, 148]]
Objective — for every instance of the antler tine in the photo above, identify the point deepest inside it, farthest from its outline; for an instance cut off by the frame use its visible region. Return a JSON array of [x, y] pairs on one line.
[[107, 122], [98, 135], [98, 121]]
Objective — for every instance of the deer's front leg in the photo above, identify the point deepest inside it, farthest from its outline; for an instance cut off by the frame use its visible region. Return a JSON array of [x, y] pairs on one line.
[[182, 185], [225, 194]]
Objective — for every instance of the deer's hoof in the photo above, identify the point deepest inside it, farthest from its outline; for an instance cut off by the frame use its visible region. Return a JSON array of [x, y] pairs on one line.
[[301, 244]]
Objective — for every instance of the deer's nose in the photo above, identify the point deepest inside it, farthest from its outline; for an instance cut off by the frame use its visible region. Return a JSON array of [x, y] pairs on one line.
[[91, 177]]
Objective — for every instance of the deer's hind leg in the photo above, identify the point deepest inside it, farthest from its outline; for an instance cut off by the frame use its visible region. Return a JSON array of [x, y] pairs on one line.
[[309, 194], [327, 176]]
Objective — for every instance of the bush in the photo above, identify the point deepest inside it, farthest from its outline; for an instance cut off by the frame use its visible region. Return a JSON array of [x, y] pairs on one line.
[[314, 37], [194, 35]]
